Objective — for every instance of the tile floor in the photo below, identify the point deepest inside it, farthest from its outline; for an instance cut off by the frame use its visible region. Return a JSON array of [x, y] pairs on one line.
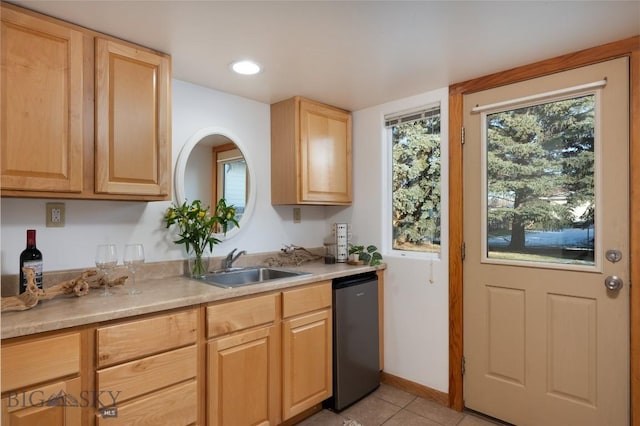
[[390, 406]]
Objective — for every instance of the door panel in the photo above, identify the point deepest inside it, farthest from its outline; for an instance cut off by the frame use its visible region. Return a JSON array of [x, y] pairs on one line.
[[572, 351], [506, 328], [539, 330]]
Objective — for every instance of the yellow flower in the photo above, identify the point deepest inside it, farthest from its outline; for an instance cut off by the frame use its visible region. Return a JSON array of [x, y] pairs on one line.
[[197, 226]]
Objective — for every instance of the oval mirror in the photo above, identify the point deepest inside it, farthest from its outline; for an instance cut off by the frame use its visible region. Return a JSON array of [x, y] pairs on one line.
[[211, 165]]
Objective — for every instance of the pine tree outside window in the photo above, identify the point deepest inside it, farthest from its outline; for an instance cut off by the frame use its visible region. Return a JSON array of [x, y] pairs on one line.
[[540, 204], [416, 179]]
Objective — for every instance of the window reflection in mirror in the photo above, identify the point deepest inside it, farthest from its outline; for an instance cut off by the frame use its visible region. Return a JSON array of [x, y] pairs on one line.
[[217, 169], [230, 178]]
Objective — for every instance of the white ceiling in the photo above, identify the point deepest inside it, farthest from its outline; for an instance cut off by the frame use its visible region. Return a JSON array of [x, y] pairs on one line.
[[351, 54]]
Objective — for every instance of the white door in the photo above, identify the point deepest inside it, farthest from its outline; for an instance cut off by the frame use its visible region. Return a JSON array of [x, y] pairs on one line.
[[546, 203]]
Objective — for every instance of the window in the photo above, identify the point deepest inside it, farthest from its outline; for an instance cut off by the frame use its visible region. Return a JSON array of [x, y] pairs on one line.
[[540, 203], [415, 179]]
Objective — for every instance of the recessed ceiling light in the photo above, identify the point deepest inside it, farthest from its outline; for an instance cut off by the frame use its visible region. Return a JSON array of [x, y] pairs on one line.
[[246, 67]]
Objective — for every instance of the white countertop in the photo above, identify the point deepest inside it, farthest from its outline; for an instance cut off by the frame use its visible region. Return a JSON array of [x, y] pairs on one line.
[[157, 295]]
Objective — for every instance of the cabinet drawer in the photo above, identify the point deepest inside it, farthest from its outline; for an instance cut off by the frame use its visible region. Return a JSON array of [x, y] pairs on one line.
[[307, 299], [136, 339], [145, 375], [39, 360], [58, 403], [228, 317], [175, 406]]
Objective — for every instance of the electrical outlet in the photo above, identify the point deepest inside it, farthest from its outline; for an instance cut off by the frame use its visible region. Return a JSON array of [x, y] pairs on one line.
[[55, 215], [297, 215]]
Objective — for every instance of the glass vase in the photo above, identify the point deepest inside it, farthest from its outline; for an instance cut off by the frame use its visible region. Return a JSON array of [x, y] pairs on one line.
[[199, 263]]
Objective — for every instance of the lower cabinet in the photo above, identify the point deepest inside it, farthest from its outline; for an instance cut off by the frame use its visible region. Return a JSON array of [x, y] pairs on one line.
[[264, 367], [259, 360], [38, 389], [242, 362], [307, 358], [147, 371]]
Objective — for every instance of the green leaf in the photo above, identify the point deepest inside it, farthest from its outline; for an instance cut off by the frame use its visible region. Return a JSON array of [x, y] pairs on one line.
[[196, 225]]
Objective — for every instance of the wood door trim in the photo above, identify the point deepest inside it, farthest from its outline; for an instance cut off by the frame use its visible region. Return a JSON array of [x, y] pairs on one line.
[[549, 66], [456, 239], [628, 47], [634, 219]]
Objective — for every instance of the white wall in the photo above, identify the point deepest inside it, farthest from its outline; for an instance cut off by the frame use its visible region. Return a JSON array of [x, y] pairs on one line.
[[91, 222], [416, 312]]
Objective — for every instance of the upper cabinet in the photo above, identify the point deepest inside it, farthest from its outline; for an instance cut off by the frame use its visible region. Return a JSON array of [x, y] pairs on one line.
[[42, 109], [132, 120], [84, 115], [310, 153]]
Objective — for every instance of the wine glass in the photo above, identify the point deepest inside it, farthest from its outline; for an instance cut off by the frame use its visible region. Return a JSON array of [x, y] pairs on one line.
[[133, 259], [106, 260]]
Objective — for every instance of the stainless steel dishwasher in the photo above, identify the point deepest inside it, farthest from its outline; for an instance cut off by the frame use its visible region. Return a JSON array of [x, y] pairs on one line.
[[356, 360]]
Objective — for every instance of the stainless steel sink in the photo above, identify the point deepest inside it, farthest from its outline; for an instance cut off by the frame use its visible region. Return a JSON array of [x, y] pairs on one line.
[[248, 276]]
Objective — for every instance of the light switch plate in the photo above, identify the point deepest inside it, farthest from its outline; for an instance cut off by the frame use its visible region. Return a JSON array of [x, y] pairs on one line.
[[297, 215], [55, 215]]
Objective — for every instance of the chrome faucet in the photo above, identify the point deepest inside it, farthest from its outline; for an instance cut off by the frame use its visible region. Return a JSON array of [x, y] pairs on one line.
[[227, 263]]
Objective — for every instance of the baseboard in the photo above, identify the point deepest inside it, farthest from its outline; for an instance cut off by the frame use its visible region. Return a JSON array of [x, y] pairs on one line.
[[415, 388]]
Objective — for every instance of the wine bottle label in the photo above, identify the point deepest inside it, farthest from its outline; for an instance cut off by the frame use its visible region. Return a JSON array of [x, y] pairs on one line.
[[37, 267]]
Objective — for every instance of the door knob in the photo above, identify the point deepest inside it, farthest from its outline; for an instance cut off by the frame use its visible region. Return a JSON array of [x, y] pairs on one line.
[[613, 255], [613, 283]]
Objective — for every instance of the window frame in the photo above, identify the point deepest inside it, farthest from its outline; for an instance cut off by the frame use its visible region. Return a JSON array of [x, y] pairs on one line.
[[597, 173], [441, 97]]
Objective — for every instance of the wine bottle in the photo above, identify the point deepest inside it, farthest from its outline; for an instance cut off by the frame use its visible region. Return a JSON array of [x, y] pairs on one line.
[[31, 257]]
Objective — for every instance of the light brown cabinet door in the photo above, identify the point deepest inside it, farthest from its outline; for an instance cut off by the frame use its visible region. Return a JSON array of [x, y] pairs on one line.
[[132, 120], [307, 365], [242, 386], [325, 154], [57, 404], [41, 104], [310, 153]]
